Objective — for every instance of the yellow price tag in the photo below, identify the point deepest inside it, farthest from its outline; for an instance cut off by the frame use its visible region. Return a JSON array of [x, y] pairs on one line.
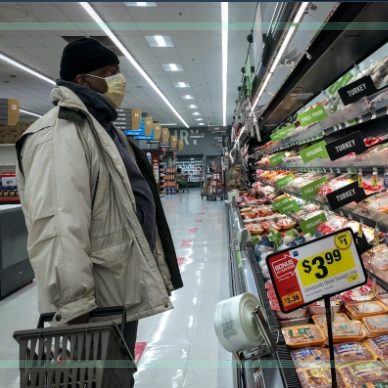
[[376, 237], [360, 179], [328, 263], [291, 298], [359, 233]]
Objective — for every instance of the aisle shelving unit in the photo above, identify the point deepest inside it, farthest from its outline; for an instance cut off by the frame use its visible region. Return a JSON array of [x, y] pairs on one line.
[[193, 168]]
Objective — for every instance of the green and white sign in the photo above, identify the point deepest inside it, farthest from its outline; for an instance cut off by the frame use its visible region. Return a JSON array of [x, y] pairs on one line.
[[343, 81], [277, 158], [282, 132], [352, 122], [315, 151], [309, 225], [283, 182], [312, 188], [280, 203], [291, 206], [312, 116]]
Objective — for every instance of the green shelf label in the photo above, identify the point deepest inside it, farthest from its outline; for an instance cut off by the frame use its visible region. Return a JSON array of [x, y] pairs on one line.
[[309, 225], [280, 202], [312, 116], [313, 152], [312, 188], [343, 81], [277, 158], [283, 182], [352, 122], [282, 133], [291, 206]]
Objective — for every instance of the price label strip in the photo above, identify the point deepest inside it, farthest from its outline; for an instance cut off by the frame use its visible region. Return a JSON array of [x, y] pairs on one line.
[[325, 266]]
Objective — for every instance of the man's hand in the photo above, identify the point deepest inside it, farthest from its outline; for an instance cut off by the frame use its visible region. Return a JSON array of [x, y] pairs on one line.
[[80, 320]]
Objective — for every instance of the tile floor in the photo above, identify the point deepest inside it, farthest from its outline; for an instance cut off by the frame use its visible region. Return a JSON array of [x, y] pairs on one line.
[[177, 349]]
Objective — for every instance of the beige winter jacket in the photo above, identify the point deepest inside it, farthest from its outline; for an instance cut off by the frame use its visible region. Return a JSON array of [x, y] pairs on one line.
[[85, 243]]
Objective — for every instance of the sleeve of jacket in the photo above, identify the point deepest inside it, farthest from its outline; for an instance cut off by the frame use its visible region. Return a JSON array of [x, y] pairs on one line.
[[56, 201]]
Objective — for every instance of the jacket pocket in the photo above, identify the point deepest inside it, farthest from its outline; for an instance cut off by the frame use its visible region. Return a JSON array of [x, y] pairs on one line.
[[117, 277], [100, 193]]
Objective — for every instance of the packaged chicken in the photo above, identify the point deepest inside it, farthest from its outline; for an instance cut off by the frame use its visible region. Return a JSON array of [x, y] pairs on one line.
[[358, 294], [303, 336], [286, 223], [362, 372], [332, 225], [365, 309], [254, 229], [318, 378], [352, 351], [377, 202], [321, 319], [379, 346], [377, 325], [346, 331], [306, 358]]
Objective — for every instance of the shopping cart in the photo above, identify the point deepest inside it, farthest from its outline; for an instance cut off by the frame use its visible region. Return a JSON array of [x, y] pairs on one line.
[[94, 355], [183, 181]]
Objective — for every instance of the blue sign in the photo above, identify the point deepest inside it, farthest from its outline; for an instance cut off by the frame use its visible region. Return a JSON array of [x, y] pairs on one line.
[[136, 132], [150, 137]]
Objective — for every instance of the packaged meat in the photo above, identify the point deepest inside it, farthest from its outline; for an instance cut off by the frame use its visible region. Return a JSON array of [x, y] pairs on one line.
[[318, 378], [369, 385], [346, 331], [377, 325], [297, 314], [331, 225], [254, 229], [310, 357], [303, 336], [362, 372], [321, 319], [377, 202], [369, 255], [352, 352], [365, 309], [358, 294], [371, 187], [379, 346], [286, 223], [318, 308], [269, 225]]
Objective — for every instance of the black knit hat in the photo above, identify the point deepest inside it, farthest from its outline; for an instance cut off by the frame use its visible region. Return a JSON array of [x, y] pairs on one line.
[[83, 56]]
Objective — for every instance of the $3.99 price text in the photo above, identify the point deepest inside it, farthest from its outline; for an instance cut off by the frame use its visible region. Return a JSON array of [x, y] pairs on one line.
[[320, 263]]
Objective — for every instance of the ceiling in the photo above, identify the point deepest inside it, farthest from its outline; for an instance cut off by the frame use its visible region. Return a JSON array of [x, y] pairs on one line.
[[34, 37]]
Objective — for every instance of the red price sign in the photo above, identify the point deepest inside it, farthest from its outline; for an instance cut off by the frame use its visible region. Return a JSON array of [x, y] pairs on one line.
[[325, 266]]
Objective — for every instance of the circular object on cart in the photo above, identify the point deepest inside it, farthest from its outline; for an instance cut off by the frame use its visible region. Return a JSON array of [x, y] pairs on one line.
[[235, 324]]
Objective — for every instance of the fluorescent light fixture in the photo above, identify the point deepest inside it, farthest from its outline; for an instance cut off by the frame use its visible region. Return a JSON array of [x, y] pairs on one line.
[[130, 58], [159, 41], [196, 114], [224, 20], [27, 112], [172, 67], [169, 124], [27, 69], [201, 123], [139, 4], [181, 85], [199, 119], [285, 43], [193, 106], [188, 97]]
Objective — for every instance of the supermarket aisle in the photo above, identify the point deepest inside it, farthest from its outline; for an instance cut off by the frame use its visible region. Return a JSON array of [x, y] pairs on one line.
[[183, 341], [180, 348]]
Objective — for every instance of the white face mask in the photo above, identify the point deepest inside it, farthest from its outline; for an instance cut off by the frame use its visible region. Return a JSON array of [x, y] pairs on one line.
[[116, 89]]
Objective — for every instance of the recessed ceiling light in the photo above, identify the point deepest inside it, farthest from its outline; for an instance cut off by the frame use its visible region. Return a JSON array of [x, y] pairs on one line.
[[188, 97], [181, 85], [196, 114], [193, 106], [104, 27], [201, 123], [172, 67], [199, 119], [140, 4], [159, 41]]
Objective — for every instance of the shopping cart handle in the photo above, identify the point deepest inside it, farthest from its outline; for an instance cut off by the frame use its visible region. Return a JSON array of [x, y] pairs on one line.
[[98, 312]]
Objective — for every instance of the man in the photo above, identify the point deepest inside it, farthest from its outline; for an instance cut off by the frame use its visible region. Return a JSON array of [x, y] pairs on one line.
[[98, 235]]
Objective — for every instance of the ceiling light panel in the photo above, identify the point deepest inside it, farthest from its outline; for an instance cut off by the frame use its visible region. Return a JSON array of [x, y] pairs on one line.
[[172, 67], [201, 123], [181, 84], [140, 4], [192, 107], [130, 58], [196, 114], [159, 41], [188, 97], [199, 119]]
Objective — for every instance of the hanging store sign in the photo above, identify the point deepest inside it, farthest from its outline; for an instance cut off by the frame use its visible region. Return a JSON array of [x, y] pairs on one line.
[[312, 116], [9, 111], [340, 83], [180, 145], [345, 195], [325, 266], [315, 151], [282, 133], [173, 141], [351, 143], [135, 118], [283, 182], [157, 131], [165, 135], [363, 87], [277, 158], [150, 137], [309, 225], [148, 124], [311, 190]]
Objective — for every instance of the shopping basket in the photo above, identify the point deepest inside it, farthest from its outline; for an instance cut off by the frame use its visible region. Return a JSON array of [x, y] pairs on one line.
[[93, 355]]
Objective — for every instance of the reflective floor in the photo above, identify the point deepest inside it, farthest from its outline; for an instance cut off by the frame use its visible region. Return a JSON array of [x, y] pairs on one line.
[[175, 349]]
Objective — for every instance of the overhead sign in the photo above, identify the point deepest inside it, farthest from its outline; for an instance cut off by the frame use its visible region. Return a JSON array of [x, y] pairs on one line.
[[277, 158], [180, 145], [136, 132], [325, 266], [344, 146], [173, 141], [315, 151], [150, 137], [148, 124], [310, 190], [9, 111], [345, 195], [135, 118], [312, 116], [165, 135], [364, 86]]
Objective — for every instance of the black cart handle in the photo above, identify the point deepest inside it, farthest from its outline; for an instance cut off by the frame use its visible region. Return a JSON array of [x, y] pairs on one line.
[[98, 312]]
